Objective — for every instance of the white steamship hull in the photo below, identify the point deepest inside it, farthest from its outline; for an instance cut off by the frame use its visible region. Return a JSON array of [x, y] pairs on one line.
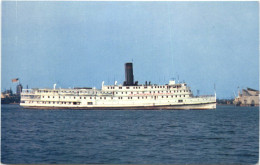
[[130, 95]]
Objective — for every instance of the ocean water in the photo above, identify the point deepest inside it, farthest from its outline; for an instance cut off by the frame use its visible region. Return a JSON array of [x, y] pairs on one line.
[[227, 135]]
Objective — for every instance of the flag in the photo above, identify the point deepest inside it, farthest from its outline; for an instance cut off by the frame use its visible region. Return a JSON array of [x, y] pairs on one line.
[[15, 80]]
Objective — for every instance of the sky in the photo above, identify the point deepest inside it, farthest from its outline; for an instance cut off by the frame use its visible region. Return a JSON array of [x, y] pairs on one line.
[[81, 44]]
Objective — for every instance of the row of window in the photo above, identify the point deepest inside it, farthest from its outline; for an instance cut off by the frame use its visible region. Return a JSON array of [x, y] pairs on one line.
[[139, 97], [86, 92], [177, 91], [162, 92], [92, 92], [139, 87], [64, 97], [53, 102]]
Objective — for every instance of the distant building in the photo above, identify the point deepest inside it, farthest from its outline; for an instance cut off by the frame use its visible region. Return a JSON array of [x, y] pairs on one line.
[[249, 97], [8, 97], [19, 89]]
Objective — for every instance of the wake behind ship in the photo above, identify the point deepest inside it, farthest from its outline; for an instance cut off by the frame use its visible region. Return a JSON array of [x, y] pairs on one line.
[[130, 95]]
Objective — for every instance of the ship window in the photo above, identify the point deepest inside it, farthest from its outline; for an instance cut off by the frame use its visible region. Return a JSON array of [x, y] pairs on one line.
[[48, 96], [64, 97], [90, 103], [53, 96], [90, 97], [127, 87], [180, 101], [74, 97], [138, 97], [42, 96], [84, 97], [104, 97], [166, 96], [146, 97], [162, 96], [120, 87], [172, 96], [80, 97], [131, 92], [74, 103], [111, 98], [100, 97]]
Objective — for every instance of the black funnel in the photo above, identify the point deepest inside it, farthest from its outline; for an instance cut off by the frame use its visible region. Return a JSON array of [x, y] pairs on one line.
[[129, 76]]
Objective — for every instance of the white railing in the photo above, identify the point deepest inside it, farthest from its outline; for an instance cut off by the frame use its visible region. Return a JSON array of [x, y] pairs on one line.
[[28, 91], [203, 96]]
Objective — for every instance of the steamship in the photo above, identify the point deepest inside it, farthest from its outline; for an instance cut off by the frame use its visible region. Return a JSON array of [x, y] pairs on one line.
[[130, 95]]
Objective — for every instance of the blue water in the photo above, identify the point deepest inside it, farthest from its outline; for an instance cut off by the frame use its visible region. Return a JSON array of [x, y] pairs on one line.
[[225, 135]]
